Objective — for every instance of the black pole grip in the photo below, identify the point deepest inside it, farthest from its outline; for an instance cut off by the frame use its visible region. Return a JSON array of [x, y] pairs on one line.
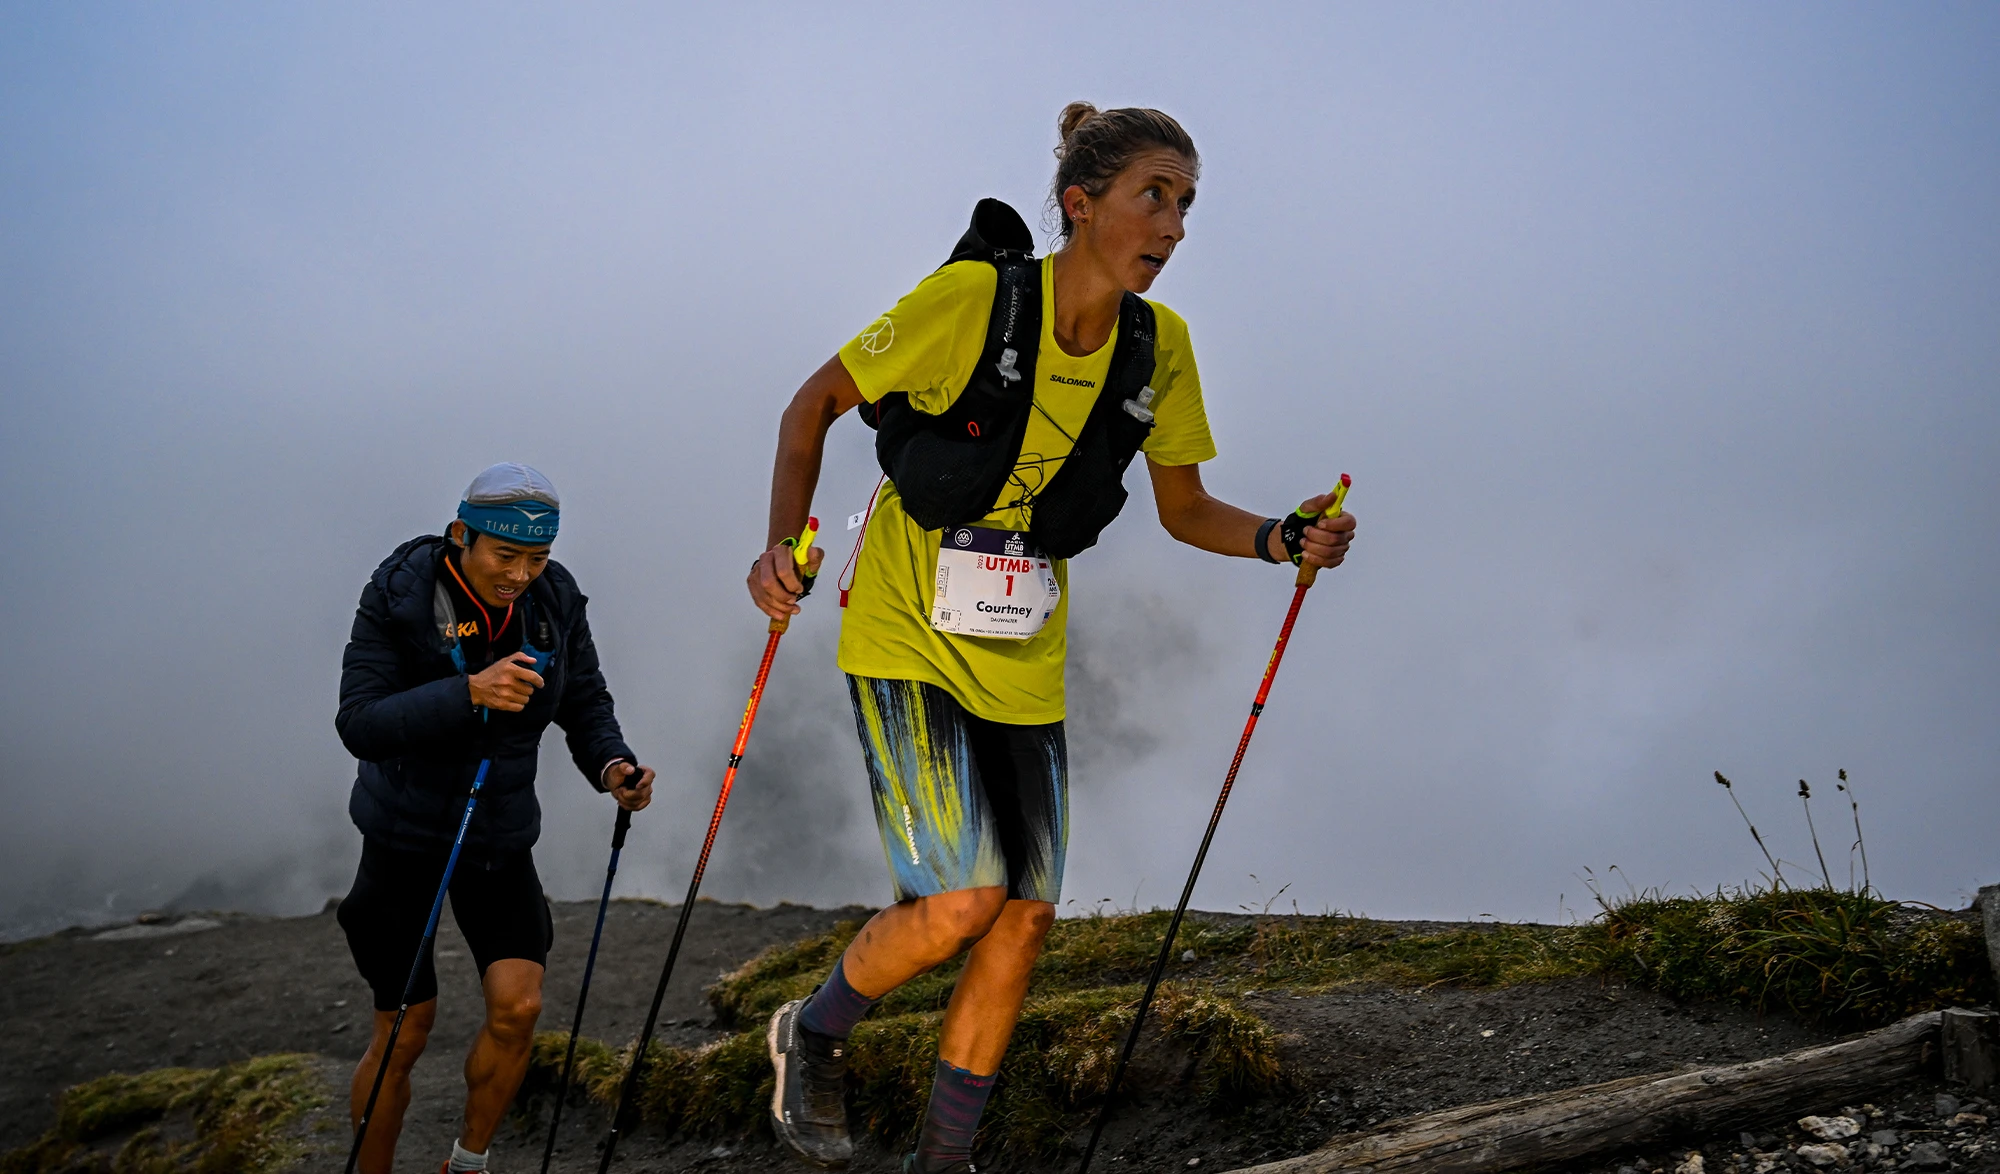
[[619, 829]]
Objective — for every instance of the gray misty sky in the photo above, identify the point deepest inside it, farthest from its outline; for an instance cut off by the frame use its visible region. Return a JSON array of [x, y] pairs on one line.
[[1663, 344]]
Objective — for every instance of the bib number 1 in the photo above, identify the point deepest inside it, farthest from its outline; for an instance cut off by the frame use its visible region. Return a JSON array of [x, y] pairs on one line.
[[992, 583]]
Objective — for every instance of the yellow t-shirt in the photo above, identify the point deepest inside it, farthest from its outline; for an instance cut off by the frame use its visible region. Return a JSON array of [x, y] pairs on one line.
[[927, 346]]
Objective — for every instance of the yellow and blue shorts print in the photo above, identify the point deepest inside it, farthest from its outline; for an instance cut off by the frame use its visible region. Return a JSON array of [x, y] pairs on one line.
[[962, 802]]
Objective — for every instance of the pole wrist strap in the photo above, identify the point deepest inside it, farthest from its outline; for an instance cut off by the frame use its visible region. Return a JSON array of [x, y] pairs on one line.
[[1264, 539]]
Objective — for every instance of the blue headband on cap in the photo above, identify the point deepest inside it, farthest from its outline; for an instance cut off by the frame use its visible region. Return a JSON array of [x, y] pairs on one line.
[[531, 523]]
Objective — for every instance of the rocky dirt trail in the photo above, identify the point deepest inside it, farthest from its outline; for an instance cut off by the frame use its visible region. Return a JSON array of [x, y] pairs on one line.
[[207, 990]]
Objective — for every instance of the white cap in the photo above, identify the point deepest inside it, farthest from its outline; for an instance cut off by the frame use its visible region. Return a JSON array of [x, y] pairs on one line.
[[509, 482]]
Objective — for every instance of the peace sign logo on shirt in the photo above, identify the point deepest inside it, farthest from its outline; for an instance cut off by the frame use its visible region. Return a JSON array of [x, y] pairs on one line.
[[879, 337]]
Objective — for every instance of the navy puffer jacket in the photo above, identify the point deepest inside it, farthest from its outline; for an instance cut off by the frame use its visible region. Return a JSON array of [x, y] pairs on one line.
[[407, 714]]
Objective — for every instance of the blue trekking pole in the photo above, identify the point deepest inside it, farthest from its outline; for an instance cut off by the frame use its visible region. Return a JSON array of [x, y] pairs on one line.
[[416, 966], [618, 831]]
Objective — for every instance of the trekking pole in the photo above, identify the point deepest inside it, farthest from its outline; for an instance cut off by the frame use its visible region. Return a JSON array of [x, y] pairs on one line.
[[416, 966], [618, 831], [801, 548], [1304, 582]]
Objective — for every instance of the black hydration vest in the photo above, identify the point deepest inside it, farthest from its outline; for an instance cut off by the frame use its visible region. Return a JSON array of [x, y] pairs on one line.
[[949, 469]]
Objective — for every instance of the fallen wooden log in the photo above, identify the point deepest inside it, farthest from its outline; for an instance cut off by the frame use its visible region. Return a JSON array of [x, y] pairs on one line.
[[1550, 1129], [1970, 1041]]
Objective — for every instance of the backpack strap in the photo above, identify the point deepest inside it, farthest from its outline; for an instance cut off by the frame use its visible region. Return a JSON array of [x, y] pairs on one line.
[[1088, 491], [951, 467], [1132, 368]]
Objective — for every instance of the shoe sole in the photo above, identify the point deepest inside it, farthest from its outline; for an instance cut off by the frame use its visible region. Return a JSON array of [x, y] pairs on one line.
[[778, 1124]]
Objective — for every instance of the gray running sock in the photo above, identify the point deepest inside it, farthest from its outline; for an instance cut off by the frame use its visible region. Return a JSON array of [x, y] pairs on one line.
[[835, 1007], [958, 1098]]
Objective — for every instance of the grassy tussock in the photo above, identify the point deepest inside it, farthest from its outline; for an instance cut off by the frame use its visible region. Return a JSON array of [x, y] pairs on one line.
[[234, 1114], [1059, 1065], [1852, 959], [1847, 958]]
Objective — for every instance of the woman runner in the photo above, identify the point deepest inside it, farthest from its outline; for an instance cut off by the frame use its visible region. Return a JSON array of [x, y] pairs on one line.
[[961, 728]]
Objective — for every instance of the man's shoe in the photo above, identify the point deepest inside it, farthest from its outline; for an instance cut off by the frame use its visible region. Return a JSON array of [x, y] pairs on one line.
[[809, 1105], [912, 1166]]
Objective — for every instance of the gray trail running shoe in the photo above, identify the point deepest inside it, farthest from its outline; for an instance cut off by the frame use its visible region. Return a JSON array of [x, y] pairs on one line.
[[809, 1105], [912, 1166]]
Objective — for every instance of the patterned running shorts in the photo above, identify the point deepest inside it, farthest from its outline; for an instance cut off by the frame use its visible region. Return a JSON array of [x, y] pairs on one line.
[[962, 802]]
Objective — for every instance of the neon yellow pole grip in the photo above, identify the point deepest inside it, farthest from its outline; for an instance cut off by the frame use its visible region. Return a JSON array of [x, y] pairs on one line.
[[1308, 572], [801, 554], [802, 545]]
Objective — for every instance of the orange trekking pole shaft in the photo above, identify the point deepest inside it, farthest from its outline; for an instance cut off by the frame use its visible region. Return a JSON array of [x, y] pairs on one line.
[[801, 548], [1303, 583]]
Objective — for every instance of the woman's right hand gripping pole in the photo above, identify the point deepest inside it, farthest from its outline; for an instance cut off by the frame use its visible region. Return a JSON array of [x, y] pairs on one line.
[[781, 577], [778, 578]]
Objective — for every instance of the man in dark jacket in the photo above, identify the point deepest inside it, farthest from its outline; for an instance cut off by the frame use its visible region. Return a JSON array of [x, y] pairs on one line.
[[466, 647]]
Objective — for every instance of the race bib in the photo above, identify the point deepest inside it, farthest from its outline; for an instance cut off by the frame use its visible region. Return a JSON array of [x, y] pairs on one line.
[[991, 583]]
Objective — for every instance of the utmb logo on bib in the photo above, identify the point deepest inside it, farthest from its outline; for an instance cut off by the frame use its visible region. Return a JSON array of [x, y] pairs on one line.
[[991, 583]]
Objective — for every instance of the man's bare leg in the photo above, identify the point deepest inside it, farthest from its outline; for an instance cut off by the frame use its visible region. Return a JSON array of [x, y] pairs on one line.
[[499, 1056], [378, 1149]]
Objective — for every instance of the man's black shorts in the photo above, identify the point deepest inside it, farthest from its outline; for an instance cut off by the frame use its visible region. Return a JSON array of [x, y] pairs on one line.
[[499, 909]]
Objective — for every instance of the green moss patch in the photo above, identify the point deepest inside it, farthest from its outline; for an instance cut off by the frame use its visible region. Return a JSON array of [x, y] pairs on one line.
[[177, 1121]]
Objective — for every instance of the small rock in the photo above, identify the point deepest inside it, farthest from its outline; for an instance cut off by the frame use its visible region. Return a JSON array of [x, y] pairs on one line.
[[1926, 1155], [1692, 1164], [339, 1027], [1188, 956], [1191, 1161], [1830, 1128], [1947, 1105], [1487, 1034], [1635, 1056], [338, 1003], [1823, 1155], [1767, 1163], [1969, 1119], [1885, 1137], [1747, 1140]]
